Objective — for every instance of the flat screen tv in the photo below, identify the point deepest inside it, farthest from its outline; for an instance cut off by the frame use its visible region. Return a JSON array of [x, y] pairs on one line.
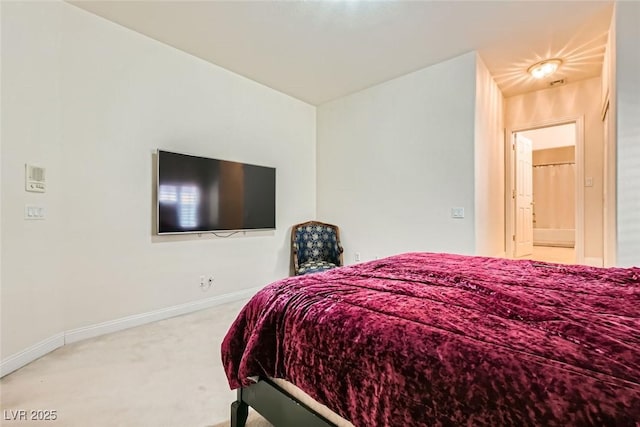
[[199, 194]]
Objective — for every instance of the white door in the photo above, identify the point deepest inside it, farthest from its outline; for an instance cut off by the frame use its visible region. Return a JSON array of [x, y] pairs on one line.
[[524, 196]]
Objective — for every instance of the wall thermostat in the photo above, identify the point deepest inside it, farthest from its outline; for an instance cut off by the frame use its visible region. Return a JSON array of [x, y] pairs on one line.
[[34, 179]]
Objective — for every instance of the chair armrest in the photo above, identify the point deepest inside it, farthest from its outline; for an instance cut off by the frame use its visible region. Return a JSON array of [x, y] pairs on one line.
[[294, 250], [340, 249]]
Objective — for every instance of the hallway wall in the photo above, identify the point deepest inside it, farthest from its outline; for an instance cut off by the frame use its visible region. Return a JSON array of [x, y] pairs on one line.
[[581, 98]]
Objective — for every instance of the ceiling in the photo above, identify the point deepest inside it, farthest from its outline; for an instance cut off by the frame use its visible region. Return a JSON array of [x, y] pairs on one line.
[[318, 51]]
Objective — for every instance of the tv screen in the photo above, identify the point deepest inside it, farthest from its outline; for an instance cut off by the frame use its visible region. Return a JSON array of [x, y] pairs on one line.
[[198, 194]]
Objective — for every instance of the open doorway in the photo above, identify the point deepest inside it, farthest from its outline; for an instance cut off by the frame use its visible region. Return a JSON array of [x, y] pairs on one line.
[[544, 208], [554, 192]]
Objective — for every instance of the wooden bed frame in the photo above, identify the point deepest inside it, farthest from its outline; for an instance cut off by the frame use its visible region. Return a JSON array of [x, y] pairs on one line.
[[276, 405]]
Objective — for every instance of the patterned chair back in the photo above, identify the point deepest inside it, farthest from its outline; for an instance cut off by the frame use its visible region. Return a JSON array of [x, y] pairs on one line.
[[315, 244]]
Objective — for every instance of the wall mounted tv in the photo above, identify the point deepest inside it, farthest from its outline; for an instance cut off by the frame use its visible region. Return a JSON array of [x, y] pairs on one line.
[[199, 195]]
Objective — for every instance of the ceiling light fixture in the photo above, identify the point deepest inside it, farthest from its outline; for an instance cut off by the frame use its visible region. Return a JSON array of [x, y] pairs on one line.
[[544, 68]]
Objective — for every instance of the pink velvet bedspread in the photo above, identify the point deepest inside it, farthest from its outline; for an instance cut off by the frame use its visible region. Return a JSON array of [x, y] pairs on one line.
[[426, 339]]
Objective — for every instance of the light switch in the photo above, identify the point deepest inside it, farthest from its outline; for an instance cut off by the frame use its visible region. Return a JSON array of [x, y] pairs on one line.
[[588, 182], [457, 212], [34, 212]]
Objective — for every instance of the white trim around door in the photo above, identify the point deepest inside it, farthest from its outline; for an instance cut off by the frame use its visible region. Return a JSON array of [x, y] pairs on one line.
[[510, 181]]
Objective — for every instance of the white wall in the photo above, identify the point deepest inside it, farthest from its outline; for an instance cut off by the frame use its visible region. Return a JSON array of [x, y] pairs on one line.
[[32, 256], [393, 159], [90, 101], [489, 164], [581, 98], [1, 102], [551, 137], [627, 100]]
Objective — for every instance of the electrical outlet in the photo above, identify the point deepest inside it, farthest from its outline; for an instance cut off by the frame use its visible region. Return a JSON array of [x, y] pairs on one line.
[[356, 257], [206, 283]]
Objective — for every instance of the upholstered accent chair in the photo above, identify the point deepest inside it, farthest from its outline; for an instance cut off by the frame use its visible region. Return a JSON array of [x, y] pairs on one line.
[[315, 247]]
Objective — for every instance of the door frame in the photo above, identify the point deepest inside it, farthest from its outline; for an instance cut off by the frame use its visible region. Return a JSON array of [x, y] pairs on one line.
[[609, 219], [510, 181]]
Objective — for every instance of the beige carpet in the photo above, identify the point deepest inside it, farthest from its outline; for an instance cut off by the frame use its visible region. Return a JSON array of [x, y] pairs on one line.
[[254, 420], [166, 373]]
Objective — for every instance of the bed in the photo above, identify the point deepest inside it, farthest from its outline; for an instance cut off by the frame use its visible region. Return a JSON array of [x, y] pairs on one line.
[[428, 339]]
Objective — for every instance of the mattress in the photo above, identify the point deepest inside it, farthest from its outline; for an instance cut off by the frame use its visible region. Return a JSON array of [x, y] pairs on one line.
[[440, 339]]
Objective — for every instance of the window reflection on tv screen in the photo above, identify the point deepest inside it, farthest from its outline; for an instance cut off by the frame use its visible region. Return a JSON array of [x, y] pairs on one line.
[[198, 194]]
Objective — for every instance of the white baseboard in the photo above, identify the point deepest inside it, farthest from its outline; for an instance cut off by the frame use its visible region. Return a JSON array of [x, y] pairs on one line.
[[116, 325], [38, 350], [593, 261], [30, 354]]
